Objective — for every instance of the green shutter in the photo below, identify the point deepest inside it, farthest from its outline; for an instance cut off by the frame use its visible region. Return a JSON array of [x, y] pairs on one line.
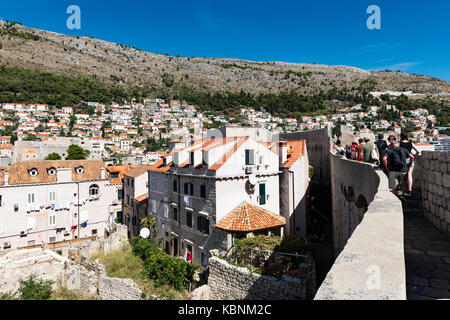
[[262, 194]]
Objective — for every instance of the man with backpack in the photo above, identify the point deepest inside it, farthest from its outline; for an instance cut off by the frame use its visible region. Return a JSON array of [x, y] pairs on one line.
[[369, 152], [396, 165], [382, 146]]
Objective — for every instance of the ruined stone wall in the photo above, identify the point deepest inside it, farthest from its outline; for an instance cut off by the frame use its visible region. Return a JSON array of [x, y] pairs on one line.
[[432, 180], [75, 271], [228, 282], [118, 289]]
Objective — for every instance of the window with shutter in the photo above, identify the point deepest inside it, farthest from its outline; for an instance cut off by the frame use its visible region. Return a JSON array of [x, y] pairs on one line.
[[175, 186], [189, 219], [203, 191], [262, 194], [249, 157]]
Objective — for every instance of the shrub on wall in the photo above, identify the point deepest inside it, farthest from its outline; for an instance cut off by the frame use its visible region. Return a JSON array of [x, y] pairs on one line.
[[165, 269], [143, 248], [161, 267], [35, 289]]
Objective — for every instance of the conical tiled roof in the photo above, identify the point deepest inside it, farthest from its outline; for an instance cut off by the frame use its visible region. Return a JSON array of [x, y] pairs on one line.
[[250, 218]]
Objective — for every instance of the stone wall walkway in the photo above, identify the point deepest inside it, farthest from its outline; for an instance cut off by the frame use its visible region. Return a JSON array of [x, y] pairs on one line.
[[427, 256]]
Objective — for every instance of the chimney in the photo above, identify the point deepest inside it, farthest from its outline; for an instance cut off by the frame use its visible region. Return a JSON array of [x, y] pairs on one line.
[[102, 173]]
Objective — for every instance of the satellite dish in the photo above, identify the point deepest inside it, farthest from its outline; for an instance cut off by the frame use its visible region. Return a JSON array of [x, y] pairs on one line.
[[252, 179], [145, 233]]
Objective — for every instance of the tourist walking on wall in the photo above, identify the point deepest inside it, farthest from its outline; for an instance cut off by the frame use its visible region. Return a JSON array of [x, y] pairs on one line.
[[382, 146], [408, 145], [396, 166], [370, 152], [339, 150], [358, 150], [349, 152], [354, 154]]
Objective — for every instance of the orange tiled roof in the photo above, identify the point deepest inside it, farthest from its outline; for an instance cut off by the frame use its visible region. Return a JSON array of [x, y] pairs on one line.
[[295, 149], [143, 198], [250, 218], [119, 169]]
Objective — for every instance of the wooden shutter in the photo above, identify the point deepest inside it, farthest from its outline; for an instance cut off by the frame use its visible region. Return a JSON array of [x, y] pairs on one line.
[[262, 194]]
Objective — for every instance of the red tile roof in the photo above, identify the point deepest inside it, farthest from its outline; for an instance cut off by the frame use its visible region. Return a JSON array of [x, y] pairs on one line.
[[142, 199], [295, 149], [250, 218]]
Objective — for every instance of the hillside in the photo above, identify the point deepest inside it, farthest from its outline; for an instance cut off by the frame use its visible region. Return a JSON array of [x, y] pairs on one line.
[[118, 64]]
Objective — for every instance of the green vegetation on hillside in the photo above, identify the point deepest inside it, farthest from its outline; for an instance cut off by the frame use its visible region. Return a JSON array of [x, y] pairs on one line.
[[31, 86]]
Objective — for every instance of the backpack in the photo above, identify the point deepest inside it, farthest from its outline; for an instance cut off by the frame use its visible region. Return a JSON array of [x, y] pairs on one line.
[[349, 152], [398, 158], [374, 155]]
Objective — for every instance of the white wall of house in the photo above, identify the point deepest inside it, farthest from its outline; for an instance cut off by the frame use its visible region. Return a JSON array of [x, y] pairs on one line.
[[298, 185], [40, 226], [231, 193]]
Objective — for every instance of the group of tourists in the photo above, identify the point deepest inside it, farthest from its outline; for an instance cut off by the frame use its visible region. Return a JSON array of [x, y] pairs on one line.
[[394, 157]]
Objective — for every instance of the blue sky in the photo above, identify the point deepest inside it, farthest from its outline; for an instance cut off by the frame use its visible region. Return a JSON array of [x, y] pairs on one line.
[[414, 35]]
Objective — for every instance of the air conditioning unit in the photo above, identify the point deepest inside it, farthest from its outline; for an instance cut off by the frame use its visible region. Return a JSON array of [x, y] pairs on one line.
[[248, 170]]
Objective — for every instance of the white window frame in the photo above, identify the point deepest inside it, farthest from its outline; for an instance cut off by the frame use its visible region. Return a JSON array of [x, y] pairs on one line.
[[166, 211], [31, 198], [52, 220], [52, 196]]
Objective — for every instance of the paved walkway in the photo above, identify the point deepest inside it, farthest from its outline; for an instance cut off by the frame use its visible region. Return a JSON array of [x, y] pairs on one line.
[[427, 258]]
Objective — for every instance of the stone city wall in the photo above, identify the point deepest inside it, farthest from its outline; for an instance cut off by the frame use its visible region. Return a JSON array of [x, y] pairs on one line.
[[370, 264], [228, 282], [432, 180]]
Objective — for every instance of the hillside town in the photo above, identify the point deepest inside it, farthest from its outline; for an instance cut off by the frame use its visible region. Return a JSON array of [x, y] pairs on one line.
[[140, 133], [198, 182]]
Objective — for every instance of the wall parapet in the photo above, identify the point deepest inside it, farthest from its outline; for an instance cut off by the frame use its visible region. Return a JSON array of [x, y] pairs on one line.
[[370, 264], [432, 181]]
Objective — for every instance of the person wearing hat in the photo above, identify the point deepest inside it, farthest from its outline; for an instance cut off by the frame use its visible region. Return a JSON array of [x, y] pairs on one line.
[[366, 152]]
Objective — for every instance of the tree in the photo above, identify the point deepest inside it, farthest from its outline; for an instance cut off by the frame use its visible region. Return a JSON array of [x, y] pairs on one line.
[[30, 137], [151, 224], [35, 289], [76, 153], [53, 156]]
